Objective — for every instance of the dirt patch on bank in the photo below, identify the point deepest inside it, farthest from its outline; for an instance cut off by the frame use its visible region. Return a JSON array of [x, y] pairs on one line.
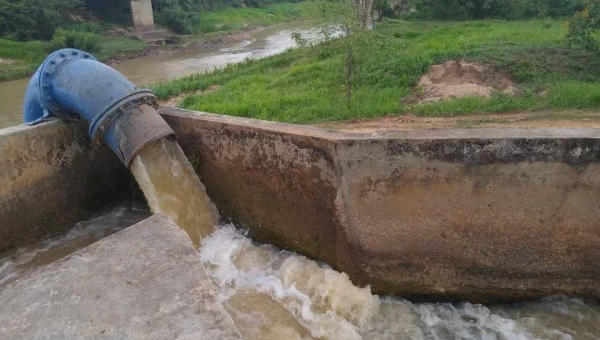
[[5, 61], [457, 78], [537, 119], [174, 101]]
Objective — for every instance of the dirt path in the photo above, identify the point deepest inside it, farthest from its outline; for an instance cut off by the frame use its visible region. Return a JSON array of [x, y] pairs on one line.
[[570, 118]]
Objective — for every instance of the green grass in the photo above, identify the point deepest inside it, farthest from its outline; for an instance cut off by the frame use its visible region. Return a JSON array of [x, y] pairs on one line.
[[239, 18], [24, 58], [307, 85], [112, 46]]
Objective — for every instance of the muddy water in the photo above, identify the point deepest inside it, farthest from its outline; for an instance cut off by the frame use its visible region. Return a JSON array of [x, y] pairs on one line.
[[24, 260], [172, 188], [279, 295], [162, 67]]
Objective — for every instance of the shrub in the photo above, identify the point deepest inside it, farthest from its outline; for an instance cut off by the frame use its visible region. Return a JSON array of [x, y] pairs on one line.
[[86, 41], [34, 19], [584, 25], [88, 26], [178, 20]]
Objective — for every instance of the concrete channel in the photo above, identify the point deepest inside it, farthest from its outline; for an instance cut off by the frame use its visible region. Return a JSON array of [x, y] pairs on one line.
[[482, 215]]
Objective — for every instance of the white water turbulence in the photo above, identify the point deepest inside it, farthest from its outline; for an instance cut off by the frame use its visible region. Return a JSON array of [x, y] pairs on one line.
[[172, 188], [280, 295]]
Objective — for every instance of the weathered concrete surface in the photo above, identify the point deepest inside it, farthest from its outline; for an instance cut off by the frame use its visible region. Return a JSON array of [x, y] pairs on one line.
[[52, 177], [481, 215], [145, 282], [482, 219], [141, 12], [280, 184]]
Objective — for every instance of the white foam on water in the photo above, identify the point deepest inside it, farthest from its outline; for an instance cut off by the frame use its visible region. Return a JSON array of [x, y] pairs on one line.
[[327, 305]]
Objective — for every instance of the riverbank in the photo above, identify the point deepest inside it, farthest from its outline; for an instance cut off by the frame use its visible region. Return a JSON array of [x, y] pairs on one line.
[[21, 59], [308, 85]]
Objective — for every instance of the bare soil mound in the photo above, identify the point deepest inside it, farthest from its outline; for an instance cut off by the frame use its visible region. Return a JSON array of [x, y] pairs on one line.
[[455, 78]]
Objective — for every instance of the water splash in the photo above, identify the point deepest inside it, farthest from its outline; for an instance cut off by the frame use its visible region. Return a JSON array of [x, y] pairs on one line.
[[275, 294]]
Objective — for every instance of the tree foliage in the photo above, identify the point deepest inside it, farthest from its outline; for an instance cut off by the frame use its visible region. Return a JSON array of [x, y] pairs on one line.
[[584, 27], [499, 9], [178, 20], [82, 40], [34, 19]]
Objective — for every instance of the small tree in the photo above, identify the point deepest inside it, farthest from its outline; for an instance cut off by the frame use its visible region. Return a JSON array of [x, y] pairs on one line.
[[584, 25], [350, 19]]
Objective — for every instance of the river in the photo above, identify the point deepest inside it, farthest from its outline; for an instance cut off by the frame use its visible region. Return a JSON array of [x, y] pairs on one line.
[[167, 66]]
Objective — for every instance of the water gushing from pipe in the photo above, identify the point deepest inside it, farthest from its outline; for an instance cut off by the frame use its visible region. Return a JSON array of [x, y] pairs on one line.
[[172, 188], [72, 84]]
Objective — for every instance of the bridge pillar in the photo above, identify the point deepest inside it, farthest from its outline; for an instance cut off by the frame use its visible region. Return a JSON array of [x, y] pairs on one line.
[[143, 21], [141, 11]]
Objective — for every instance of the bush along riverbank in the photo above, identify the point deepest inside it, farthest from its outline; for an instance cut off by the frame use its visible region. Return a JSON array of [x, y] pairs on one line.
[[309, 84]]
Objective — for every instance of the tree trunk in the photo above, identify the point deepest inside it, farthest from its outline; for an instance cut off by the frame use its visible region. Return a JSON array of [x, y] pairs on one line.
[[349, 75], [364, 10]]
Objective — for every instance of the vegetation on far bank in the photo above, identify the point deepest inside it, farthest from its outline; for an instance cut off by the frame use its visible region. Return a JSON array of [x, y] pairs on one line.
[[21, 59], [308, 85]]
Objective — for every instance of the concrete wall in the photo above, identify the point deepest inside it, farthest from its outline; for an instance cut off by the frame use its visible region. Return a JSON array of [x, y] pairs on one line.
[[143, 19], [52, 177], [482, 215]]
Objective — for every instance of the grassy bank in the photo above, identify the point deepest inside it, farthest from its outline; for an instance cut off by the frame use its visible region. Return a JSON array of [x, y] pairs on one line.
[[21, 59], [308, 85], [239, 18]]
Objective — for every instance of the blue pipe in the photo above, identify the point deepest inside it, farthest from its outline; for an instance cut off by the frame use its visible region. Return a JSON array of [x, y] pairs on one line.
[[72, 84]]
